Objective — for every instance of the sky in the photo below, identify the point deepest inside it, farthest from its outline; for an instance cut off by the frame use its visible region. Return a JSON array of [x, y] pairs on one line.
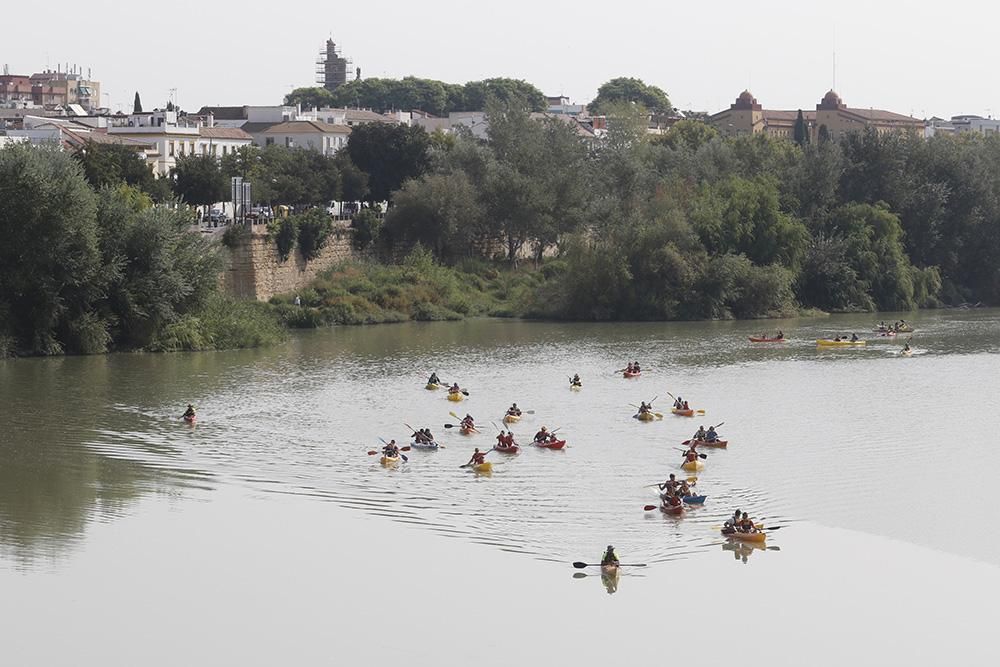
[[889, 54]]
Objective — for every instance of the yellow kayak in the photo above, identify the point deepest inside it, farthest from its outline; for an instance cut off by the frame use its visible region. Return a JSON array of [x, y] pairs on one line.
[[692, 466], [757, 537], [576, 387], [389, 460], [511, 419], [826, 342], [455, 396], [645, 416], [432, 386], [483, 467]]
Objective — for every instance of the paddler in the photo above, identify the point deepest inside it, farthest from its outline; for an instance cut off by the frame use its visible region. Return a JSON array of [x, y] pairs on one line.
[[469, 423], [678, 403], [780, 336], [699, 435], [746, 525], [542, 435], [691, 454], [391, 450], [669, 487], [686, 406], [433, 379], [514, 411], [733, 522], [854, 337], [454, 389], [711, 435], [478, 458], [644, 407], [508, 440], [609, 557], [630, 368], [684, 490], [635, 367], [576, 382], [428, 435], [189, 413]]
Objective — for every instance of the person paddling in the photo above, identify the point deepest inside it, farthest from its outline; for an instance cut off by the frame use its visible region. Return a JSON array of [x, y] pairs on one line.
[[854, 338], [635, 367], [691, 455], [610, 557], [514, 411], [746, 525], [678, 403], [630, 368], [576, 382], [542, 435], [433, 379], [478, 458], [645, 408], [669, 487], [454, 389], [699, 435], [685, 406], [391, 450], [780, 336], [189, 414], [468, 423], [711, 435]]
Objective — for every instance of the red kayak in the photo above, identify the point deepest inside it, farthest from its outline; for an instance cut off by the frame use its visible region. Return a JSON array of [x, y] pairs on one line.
[[683, 413], [706, 443], [631, 374], [192, 419], [767, 340], [551, 444], [667, 508], [513, 449]]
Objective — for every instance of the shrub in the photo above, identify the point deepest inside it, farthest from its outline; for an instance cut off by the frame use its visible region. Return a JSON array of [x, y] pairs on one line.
[[367, 226], [284, 232], [315, 227]]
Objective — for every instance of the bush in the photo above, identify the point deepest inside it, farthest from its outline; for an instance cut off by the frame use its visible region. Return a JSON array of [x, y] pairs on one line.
[[283, 232], [235, 236], [221, 324], [315, 227], [367, 226]]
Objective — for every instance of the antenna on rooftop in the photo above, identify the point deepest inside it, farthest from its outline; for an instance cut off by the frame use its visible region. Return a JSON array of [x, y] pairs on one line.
[[834, 58]]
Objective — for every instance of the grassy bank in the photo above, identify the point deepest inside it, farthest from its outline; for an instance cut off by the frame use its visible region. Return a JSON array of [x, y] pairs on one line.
[[417, 289], [222, 324]]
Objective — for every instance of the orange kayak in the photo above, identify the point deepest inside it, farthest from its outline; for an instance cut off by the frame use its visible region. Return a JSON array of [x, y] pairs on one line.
[[683, 413]]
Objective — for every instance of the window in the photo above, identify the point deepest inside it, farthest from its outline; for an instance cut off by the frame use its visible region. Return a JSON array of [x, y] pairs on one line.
[[171, 149], [269, 141]]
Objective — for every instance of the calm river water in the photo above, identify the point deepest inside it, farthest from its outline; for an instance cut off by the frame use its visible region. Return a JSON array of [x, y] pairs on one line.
[[267, 535]]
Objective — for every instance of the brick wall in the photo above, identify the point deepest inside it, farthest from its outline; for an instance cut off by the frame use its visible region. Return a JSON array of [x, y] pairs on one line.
[[256, 272]]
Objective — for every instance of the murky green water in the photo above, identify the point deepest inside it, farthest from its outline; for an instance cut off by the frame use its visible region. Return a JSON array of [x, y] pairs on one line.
[[114, 513]]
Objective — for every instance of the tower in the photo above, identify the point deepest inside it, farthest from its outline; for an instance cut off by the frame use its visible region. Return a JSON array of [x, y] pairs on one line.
[[331, 67]]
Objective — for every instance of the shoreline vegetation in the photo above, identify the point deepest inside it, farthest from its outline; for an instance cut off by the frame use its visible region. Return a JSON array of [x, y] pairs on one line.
[[533, 220]]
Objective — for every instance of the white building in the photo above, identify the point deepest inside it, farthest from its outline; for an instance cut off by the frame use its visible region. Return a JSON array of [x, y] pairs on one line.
[[964, 124], [175, 138], [474, 121], [310, 134], [562, 106]]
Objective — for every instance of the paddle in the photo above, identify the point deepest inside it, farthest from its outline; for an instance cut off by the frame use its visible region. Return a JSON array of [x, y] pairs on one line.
[[578, 565], [471, 428], [700, 456]]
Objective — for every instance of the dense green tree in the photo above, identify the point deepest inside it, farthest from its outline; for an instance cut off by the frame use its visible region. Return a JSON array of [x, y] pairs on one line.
[[441, 212], [50, 270], [688, 134], [800, 133], [199, 181], [390, 154], [513, 93], [310, 98], [113, 164], [630, 91]]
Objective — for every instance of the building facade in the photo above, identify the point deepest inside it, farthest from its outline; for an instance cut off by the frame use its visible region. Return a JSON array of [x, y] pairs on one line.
[[309, 134], [831, 117]]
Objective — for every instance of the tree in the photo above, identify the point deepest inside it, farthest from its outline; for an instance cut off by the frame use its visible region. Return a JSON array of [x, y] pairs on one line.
[[688, 134], [50, 271], [508, 92], [823, 134], [390, 154], [199, 181], [310, 98], [113, 164], [631, 91], [136, 104], [800, 133], [441, 212]]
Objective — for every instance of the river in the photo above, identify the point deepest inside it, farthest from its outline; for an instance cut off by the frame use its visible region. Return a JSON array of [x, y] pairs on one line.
[[266, 533]]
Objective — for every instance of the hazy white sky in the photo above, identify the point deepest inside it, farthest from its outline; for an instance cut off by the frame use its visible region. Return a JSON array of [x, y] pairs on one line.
[[905, 56]]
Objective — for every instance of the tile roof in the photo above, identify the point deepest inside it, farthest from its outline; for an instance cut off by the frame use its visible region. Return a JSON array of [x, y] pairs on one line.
[[307, 127], [223, 133]]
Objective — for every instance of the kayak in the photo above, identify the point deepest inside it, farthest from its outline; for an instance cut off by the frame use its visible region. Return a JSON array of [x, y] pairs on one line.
[[694, 500], [465, 430], [826, 342], [767, 340], [692, 466], [389, 460], [576, 387], [645, 416], [683, 413], [483, 467], [631, 374], [610, 569], [192, 419], [513, 449], [511, 419], [746, 537], [714, 443], [672, 509], [432, 386], [423, 445], [905, 329], [907, 353], [886, 334], [558, 444], [455, 396]]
